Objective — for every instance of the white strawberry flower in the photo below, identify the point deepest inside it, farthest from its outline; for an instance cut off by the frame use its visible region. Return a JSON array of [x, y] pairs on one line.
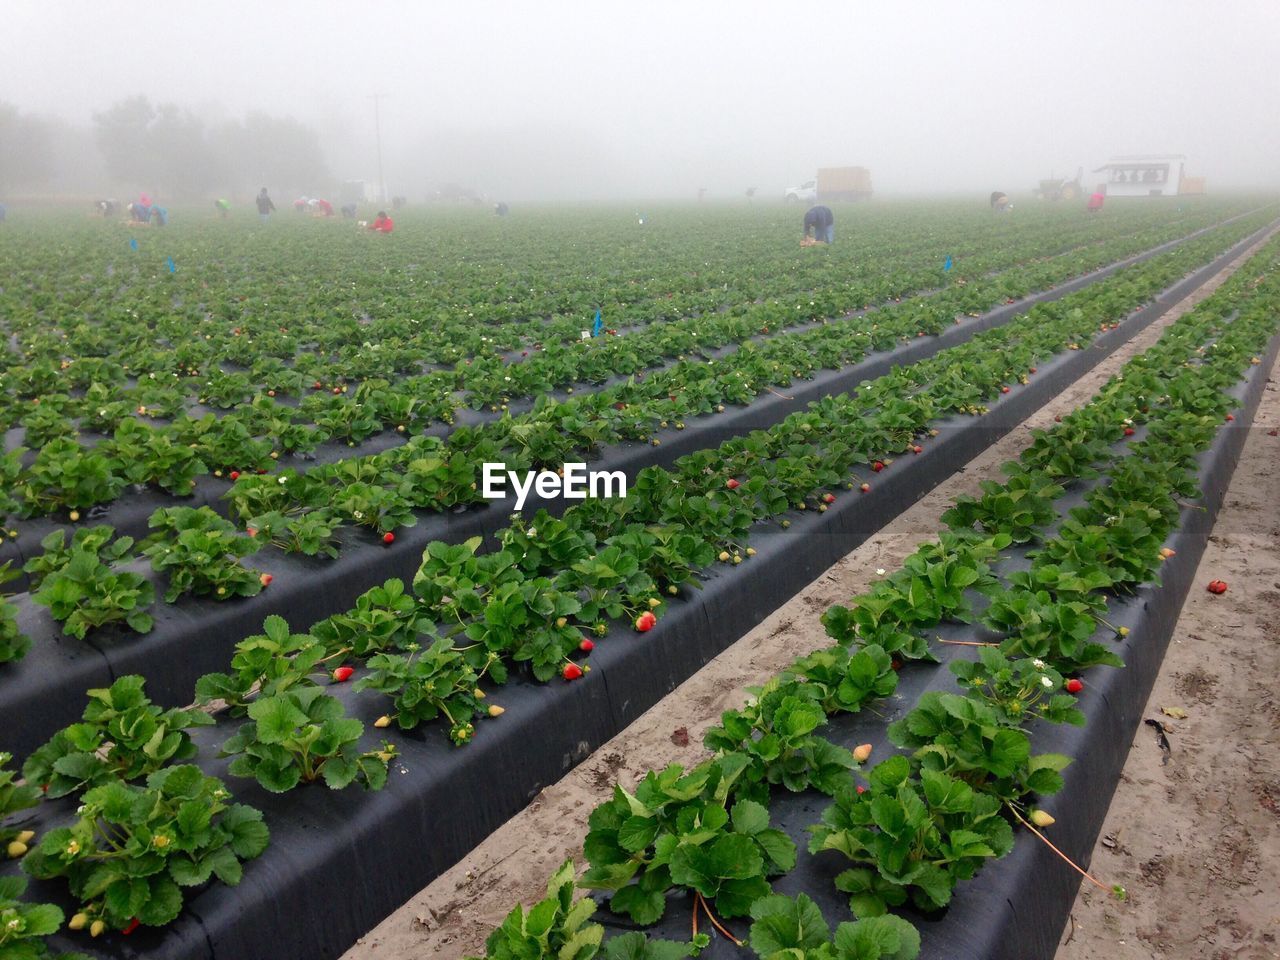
[[1038, 664], [1046, 682]]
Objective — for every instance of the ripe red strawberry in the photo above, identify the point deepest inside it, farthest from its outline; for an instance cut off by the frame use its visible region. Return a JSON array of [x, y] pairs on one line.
[[388, 537], [917, 449], [860, 788], [1217, 586], [865, 488], [828, 498], [732, 483], [133, 925], [1074, 685], [587, 645], [251, 531], [317, 385], [1057, 419], [1032, 370], [234, 475], [343, 674], [1230, 417], [266, 579], [571, 671], [646, 621], [1004, 389], [1129, 431], [877, 466]]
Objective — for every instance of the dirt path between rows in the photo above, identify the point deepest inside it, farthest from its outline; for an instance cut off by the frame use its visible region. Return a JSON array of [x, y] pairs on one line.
[[452, 916], [1196, 840]]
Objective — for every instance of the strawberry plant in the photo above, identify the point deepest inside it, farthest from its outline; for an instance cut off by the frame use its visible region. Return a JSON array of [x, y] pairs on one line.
[[1016, 509], [132, 850], [910, 838], [14, 644], [963, 737], [65, 475], [559, 926], [56, 553], [774, 734], [302, 735], [786, 928], [311, 533], [87, 594], [266, 664], [1016, 689], [123, 735], [384, 618], [678, 829], [425, 684], [1037, 625], [14, 798], [841, 680], [23, 926], [199, 552]]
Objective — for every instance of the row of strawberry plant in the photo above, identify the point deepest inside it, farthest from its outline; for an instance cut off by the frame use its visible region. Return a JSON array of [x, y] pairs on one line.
[[201, 550], [171, 456], [286, 724], [924, 822]]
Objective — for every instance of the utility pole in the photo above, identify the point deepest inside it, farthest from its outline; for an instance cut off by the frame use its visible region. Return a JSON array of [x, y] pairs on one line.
[[377, 126]]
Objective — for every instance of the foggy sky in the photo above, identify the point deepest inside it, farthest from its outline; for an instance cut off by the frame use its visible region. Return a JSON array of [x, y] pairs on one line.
[[566, 99]]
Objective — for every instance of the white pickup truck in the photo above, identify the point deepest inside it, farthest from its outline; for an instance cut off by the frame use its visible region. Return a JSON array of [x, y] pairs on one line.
[[806, 192]]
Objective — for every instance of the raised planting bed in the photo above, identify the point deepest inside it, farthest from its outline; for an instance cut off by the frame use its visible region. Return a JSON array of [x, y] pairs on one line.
[[44, 690], [1016, 907], [129, 514], [395, 840]]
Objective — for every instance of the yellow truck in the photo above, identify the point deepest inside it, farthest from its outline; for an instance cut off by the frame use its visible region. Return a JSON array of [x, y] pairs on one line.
[[844, 183]]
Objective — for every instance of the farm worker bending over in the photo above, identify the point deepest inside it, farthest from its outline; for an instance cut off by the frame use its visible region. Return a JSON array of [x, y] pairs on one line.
[[324, 208], [265, 206], [383, 223], [1095, 201], [142, 209], [822, 222], [1000, 201]]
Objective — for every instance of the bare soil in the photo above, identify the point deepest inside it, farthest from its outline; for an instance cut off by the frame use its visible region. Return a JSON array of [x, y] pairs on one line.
[[452, 916]]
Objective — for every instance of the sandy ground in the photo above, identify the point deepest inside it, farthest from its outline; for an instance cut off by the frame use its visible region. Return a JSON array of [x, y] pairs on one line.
[[452, 916], [1196, 840]]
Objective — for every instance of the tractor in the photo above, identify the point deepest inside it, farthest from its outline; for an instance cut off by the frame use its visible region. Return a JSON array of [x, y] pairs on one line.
[[1061, 189]]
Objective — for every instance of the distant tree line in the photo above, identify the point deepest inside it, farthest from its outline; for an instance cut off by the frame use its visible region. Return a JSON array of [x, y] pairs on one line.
[[165, 149]]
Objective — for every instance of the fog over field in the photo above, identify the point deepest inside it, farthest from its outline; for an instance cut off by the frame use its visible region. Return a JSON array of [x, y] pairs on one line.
[[589, 100]]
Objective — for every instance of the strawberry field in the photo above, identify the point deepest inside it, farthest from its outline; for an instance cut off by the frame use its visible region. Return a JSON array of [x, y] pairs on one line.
[[270, 662]]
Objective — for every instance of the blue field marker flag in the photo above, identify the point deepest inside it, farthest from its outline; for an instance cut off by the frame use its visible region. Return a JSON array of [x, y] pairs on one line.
[[598, 325], [947, 266], [173, 267], [133, 243]]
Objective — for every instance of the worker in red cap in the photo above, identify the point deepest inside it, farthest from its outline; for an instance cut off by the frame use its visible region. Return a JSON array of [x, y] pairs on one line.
[[1096, 199]]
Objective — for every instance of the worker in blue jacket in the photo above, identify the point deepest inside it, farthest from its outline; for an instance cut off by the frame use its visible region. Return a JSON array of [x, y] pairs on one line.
[[822, 222]]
